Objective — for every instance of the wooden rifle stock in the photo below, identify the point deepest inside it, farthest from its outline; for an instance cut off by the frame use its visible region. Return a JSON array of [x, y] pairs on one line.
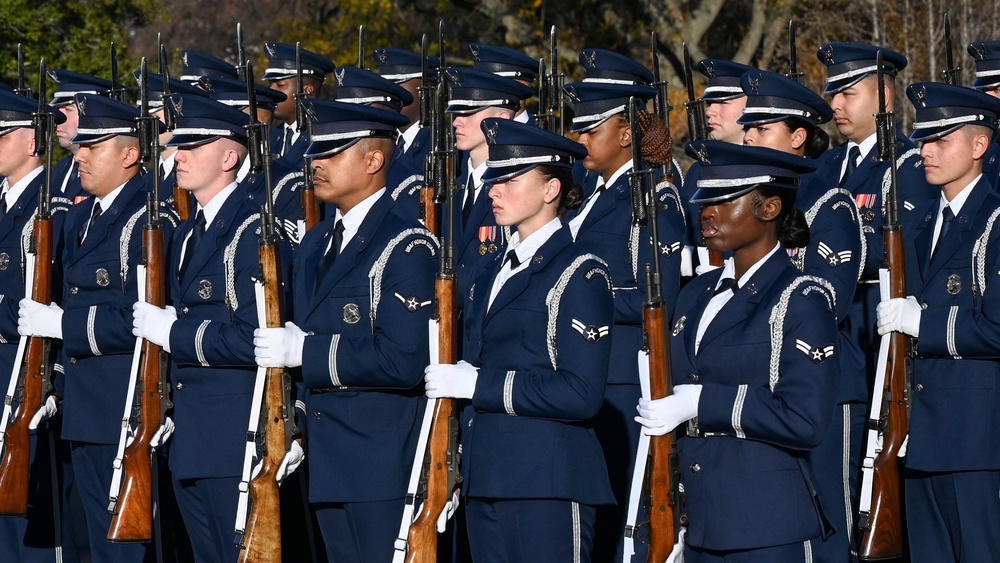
[[441, 465], [133, 513], [310, 206], [882, 535], [33, 386]]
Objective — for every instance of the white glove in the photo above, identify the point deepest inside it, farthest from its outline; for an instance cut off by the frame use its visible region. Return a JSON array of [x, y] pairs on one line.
[[163, 433], [293, 459], [45, 412], [677, 553], [451, 381], [153, 323], [899, 315], [279, 347], [663, 415], [448, 511], [35, 319]]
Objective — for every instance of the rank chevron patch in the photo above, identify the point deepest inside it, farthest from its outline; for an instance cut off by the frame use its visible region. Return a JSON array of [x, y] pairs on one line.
[[816, 354], [832, 258], [591, 333]]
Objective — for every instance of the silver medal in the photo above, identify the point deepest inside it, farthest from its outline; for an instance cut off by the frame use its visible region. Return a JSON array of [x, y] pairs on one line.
[[103, 279], [679, 326], [954, 284], [4, 261], [351, 313], [204, 289]]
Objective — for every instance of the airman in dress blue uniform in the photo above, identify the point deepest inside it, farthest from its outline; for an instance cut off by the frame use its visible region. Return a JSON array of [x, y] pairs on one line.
[[362, 294], [537, 338], [784, 115], [476, 95], [65, 176], [102, 237], [605, 226], [209, 329], [987, 60], [753, 353], [22, 175], [286, 138], [952, 469]]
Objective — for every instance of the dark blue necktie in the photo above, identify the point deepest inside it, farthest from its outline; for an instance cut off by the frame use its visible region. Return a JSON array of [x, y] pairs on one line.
[[946, 217], [326, 262], [725, 284], [94, 214], [197, 231], [852, 163]]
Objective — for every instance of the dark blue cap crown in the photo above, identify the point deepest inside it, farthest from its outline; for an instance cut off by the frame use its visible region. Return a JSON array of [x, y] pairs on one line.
[[400, 65], [474, 90], [723, 79], [595, 102], [198, 64], [69, 83], [603, 66], [156, 88], [338, 125], [282, 63], [359, 86], [233, 92], [201, 120], [102, 118], [503, 61], [729, 171], [772, 97], [848, 63], [18, 111], [515, 148], [987, 56], [943, 108]]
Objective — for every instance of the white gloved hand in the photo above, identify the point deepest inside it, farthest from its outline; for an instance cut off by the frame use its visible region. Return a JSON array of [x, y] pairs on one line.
[[704, 269], [153, 323], [48, 409], [448, 511], [279, 347], [451, 381], [677, 553], [899, 315], [293, 459], [663, 415], [163, 433], [35, 319]]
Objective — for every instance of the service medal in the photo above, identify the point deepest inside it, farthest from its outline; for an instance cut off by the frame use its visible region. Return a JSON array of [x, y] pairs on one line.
[[487, 239], [482, 249], [679, 326], [103, 279], [4, 261], [204, 289], [865, 204], [351, 313], [954, 284], [492, 248]]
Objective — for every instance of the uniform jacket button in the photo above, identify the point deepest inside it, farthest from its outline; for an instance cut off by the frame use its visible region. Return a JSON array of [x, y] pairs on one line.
[[695, 468], [72, 360], [179, 386], [316, 415], [74, 290], [920, 387], [185, 310], [470, 423], [694, 377]]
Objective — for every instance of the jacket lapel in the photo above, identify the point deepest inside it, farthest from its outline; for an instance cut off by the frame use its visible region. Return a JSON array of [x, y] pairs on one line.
[[746, 298], [98, 231], [216, 237], [961, 229]]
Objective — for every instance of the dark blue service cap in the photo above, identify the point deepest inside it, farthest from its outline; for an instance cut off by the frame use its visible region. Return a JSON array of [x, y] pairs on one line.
[[233, 92], [515, 148], [609, 67], [729, 171], [595, 102], [102, 118], [503, 61], [987, 55], [772, 97], [18, 111], [474, 90], [282, 63], [69, 84], [198, 64], [156, 88], [201, 120], [400, 65], [337, 125], [723, 79], [942, 108], [359, 86], [848, 63]]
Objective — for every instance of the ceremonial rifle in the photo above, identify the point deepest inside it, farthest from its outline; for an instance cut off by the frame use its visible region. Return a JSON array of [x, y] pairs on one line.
[[272, 420], [241, 54], [117, 91], [432, 119], [183, 200], [952, 74], [542, 116], [793, 55], [881, 506], [131, 498], [31, 378], [436, 464], [310, 206], [661, 103], [22, 86], [556, 81], [697, 128]]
